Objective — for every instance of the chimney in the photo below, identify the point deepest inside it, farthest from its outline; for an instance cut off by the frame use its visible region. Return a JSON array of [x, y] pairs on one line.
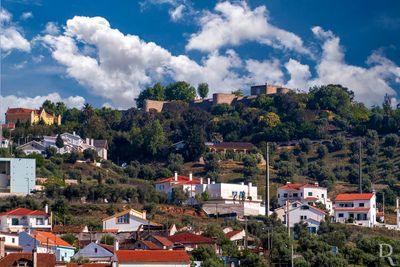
[[288, 182], [2, 247], [316, 184], [92, 142], [87, 141], [190, 176], [208, 180], [241, 183], [176, 176], [73, 133], [46, 208], [201, 180], [34, 258], [116, 245]]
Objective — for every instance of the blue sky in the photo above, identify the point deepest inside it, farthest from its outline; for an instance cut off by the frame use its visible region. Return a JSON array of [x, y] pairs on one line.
[[106, 52]]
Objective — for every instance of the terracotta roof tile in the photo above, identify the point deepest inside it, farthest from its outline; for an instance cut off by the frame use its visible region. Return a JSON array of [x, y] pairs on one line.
[[74, 264], [297, 186], [233, 233], [349, 197], [137, 256], [150, 245], [163, 240], [20, 110], [189, 238], [181, 180], [47, 238], [12, 259], [23, 212]]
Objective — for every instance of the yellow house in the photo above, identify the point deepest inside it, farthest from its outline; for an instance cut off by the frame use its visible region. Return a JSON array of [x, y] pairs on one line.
[[33, 116]]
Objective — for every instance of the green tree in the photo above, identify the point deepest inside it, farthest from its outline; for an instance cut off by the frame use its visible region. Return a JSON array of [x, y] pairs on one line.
[[69, 238], [157, 92], [107, 239], [90, 154], [332, 97], [180, 91], [59, 142], [154, 138], [202, 90]]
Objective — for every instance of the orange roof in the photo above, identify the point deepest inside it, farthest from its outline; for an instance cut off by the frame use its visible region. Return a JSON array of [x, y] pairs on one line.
[[75, 264], [45, 259], [110, 231], [233, 233], [297, 186], [380, 214], [20, 110], [347, 197], [163, 240], [173, 256], [47, 238], [23, 212], [351, 209], [181, 180], [189, 238]]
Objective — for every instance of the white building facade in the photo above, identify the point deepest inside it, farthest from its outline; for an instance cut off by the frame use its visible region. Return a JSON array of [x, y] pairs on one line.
[[359, 209], [301, 212], [126, 221], [305, 193], [24, 220]]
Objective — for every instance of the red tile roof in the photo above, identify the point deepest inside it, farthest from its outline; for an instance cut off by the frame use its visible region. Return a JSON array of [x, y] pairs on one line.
[[12, 259], [350, 209], [233, 233], [189, 238], [74, 264], [163, 240], [348, 197], [297, 186], [181, 180], [311, 198], [19, 110], [47, 238], [231, 145], [380, 214], [108, 247], [24, 212], [65, 229], [137, 256]]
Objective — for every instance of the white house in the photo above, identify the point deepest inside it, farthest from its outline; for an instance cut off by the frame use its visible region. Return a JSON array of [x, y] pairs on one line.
[[301, 212], [126, 221], [4, 142], [9, 242], [186, 183], [32, 147], [305, 193], [152, 258], [359, 209], [21, 219], [46, 242]]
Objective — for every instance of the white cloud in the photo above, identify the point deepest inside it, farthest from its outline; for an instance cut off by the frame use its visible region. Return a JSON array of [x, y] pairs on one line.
[[370, 84], [10, 36], [51, 28], [299, 74], [26, 15], [125, 64], [37, 101], [235, 23], [177, 12], [267, 71]]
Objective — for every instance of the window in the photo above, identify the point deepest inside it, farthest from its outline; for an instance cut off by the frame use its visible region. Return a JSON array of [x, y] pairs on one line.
[[303, 217], [13, 240], [294, 205], [341, 215], [322, 195], [14, 221], [361, 204], [295, 194], [285, 195], [95, 250], [310, 194], [305, 207], [39, 221], [279, 195], [124, 219]]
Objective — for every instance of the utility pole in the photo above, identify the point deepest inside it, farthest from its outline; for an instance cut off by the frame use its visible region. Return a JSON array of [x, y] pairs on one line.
[[287, 217], [267, 183], [360, 167]]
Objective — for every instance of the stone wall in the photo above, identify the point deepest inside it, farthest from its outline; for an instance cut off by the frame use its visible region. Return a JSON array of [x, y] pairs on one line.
[[153, 105]]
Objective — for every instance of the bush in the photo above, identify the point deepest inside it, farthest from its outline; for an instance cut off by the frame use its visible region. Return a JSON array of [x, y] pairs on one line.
[[337, 144], [107, 239], [322, 151], [69, 238], [391, 140]]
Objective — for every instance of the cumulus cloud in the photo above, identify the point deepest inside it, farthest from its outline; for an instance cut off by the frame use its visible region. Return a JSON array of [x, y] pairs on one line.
[[26, 15], [299, 74], [10, 36], [51, 28], [264, 71], [125, 64], [370, 84], [231, 24], [11, 101]]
